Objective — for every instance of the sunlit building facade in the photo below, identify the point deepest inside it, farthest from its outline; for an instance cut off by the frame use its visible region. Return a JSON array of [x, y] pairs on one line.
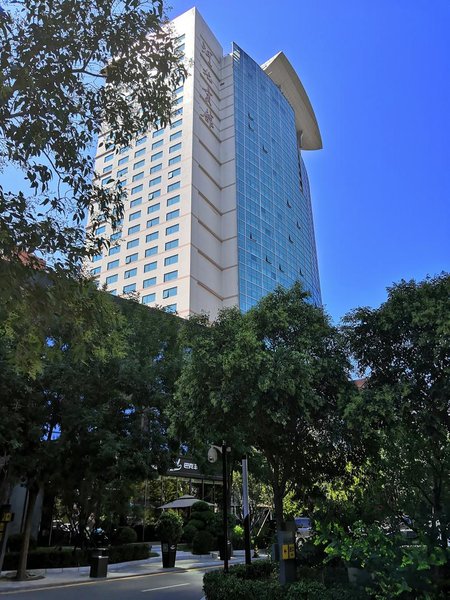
[[218, 210]]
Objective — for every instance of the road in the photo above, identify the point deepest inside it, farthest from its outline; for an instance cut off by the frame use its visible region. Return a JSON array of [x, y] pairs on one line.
[[179, 584]]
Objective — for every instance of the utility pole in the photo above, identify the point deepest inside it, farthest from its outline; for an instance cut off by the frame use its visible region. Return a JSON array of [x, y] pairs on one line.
[[225, 506], [246, 510]]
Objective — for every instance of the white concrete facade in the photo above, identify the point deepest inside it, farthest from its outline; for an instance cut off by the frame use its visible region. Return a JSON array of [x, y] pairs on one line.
[[185, 260], [178, 244]]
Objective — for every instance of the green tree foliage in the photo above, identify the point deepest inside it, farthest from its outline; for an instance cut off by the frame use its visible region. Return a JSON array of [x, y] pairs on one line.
[[69, 68], [271, 380], [91, 422], [403, 411]]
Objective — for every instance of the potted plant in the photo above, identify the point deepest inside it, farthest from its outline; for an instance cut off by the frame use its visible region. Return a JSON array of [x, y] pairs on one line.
[[169, 528]]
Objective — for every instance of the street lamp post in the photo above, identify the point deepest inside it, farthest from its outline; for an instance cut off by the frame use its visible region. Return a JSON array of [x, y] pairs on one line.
[[212, 457]]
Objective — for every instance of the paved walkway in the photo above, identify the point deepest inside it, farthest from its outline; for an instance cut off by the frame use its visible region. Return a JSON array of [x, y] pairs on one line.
[[52, 577]]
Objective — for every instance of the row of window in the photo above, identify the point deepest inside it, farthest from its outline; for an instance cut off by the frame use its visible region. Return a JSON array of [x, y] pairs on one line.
[[167, 293]]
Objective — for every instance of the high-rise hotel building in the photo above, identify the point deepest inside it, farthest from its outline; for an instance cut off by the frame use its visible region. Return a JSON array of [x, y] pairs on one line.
[[218, 210]]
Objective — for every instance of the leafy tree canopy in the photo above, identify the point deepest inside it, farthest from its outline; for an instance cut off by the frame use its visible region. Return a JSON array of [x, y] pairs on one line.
[[69, 70]]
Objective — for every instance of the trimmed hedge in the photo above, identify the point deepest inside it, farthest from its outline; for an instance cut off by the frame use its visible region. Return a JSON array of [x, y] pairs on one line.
[[202, 542], [218, 586], [258, 581], [49, 558]]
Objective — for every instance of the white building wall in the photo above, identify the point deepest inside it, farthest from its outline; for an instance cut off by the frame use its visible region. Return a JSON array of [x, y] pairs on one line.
[[207, 233]]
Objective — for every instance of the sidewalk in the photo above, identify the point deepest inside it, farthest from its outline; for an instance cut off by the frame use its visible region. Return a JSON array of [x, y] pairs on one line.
[[55, 577]]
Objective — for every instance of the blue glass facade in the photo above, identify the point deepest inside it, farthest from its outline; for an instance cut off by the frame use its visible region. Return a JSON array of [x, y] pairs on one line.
[[276, 244]]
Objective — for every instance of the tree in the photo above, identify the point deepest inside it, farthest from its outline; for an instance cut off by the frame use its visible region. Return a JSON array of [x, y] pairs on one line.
[[91, 421], [70, 70], [404, 408], [269, 379]]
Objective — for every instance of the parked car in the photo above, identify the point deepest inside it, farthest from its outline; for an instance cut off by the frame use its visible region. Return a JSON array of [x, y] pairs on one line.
[[304, 529]]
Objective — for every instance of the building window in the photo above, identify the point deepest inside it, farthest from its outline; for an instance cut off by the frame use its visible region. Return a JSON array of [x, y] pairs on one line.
[[113, 292], [114, 250], [108, 158], [130, 273], [123, 160], [138, 176], [151, 251], [173, 214], [156, 156], [127, 289], [157, 133], [131, 258], [122, 172], [154, 181], [149, 282], [112, 265], [177, 112], [133, 229], [157, 144], [100, 229], [153, 208], [178, 90], [173, 186], [112, 279], [139, 153], [175, 136], [134, 216], [173, 200], [124, 149], [175, 148], [174, 160], [173, 229], [107, 180], [176, 124], [174, 173], [170, 292], [153, 222], [141, 140], [133, 243], [115, 236], [139, 163], [171, 260], [179, 100], [156, 168], [137, 189], [171, 308], [151, 237], [136, 202], [107, 169], [154, 194], [172, 244], [96, 271], [148, 298], [170, 276], [150, 266]]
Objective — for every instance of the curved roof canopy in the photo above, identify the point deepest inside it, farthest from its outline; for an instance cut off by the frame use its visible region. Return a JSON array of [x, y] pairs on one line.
[[282, 73]]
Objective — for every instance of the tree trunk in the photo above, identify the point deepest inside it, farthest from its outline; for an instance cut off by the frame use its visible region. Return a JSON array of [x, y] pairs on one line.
[[33, 493], [278, 496], [5, 493]]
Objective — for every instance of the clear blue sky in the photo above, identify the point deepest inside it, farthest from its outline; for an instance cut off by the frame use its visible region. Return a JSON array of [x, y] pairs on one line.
[[378, 77]]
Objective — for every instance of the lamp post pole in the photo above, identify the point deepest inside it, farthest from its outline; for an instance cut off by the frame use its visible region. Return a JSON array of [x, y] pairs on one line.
[[225, 506], [246, 510]]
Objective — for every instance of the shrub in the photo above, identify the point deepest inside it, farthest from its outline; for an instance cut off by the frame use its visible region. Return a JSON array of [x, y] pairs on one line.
[[218, 586], [237, 537], [169, 527], [197, 524], [200, 506], [202, 542], [188, 533], [315, 590], [48, 558], [125, 535], [261, 569], [15, 542]]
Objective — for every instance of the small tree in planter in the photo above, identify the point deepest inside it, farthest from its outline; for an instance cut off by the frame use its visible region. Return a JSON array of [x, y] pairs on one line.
[[169, 528]]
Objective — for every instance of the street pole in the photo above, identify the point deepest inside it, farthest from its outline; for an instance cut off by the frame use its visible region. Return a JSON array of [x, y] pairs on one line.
[[225, 506], [246, 511]]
